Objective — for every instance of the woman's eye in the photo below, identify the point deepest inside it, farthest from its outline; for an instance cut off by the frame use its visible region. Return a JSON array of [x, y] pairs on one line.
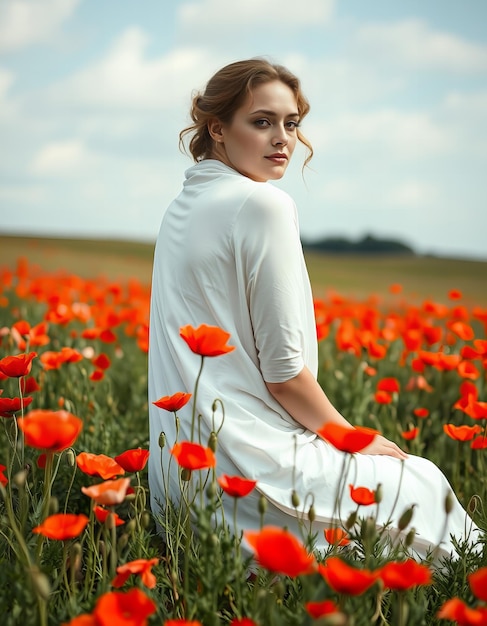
[[262, 123], [292, 124]]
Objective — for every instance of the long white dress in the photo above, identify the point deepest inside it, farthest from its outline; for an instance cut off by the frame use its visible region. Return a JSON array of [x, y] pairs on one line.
[[229, 254]]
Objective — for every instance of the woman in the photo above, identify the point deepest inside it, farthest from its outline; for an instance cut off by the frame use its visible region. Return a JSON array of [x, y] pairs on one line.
[[229, 255]]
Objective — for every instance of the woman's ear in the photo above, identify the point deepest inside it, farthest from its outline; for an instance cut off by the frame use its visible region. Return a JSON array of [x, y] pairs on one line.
[[215, 129]]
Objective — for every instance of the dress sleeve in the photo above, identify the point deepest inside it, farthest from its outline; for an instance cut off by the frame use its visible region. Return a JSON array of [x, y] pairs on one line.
[[269, 252]]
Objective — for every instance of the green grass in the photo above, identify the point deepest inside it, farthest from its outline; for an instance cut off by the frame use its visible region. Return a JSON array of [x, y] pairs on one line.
[[359, 276]]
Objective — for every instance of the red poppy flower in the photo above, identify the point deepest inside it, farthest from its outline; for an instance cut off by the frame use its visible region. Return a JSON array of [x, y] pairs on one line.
[[17, 366], [362, 496], [462, 330], [279, 551], [468, 370], [10, 406], [457, 611], [346, 579], [336, 536], [319, 609], [206, 340], [50, 430], [476, 410], [236, 486], [193, 456], [102, 361], [244, 621], [126, 609], [62, 526], [404, 575], [395, 288], [461, 433], [388, 384], [410, 434], [53, 360], [173, 403], [478, 583], [133, 460], [383, 397], [347, 439], [480, 443], [139, 566], [455, 294], [108, 493], [3, 478], [101, 515], [98, 465], [29, 385], [97, 375], [421, 412]]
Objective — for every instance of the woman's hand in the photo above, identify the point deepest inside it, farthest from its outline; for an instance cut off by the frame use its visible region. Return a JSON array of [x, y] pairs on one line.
[[381, 445]]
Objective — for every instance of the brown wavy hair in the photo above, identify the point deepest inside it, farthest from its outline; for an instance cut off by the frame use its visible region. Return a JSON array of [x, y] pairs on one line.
[[226, 92]]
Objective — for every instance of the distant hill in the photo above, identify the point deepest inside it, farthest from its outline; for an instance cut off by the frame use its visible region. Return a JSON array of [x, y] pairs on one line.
[[367, 245]]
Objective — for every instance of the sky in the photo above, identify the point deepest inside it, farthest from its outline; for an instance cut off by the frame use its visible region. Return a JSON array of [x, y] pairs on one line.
[[93, 94]]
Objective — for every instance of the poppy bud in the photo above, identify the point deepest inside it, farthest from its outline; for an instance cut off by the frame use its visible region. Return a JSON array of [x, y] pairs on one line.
[[406, 518], [410, 537], [53, 505], [449, 503], [102, 548], [186, 474], [40, 582], [162, 440], [212, 540], [122, 542], [279, 589], [20, 478], [295, 498], [368, 530], [262, 505], [75, 557], [312, 513], [145, 519], [211, 490], [131, 526], [70, 457], [212, 441], [110, 521], [351, 521], [379, 492]]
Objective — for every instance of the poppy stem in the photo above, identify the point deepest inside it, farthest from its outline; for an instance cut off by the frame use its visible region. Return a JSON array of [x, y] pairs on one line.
[[193, 413]]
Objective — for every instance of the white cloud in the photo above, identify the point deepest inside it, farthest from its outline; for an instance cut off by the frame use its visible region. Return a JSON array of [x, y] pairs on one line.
[[401, 134], [27, 22], [124, 79], [412, 194], [61, 158], [467, 103], [216, 15], [412, 43]]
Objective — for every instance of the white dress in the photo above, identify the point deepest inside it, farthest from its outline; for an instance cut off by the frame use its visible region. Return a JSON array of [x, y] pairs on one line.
[[229, 254]]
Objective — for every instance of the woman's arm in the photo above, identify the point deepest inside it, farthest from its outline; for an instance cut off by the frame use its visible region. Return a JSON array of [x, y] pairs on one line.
[[304, 399]]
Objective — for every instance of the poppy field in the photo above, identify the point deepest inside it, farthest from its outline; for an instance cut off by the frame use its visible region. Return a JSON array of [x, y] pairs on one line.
[[78, 543]]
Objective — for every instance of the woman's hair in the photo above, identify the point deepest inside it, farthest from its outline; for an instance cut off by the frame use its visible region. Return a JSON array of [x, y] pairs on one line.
[[226, 91]]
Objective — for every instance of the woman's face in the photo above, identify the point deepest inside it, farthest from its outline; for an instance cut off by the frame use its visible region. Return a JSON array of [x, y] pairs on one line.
[[260, 139]]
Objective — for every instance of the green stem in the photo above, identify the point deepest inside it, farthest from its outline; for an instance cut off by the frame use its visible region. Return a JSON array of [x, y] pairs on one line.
[[193, 414]]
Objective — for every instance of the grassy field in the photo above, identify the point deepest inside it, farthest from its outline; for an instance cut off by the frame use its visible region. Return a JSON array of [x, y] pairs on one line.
[[359, 276]]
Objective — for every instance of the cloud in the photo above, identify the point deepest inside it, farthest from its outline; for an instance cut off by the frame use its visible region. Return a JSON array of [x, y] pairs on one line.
[[126, 79], [400, 134], [413, 44], [216, 15], [412, 194], [61, 158], [27, 22]]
